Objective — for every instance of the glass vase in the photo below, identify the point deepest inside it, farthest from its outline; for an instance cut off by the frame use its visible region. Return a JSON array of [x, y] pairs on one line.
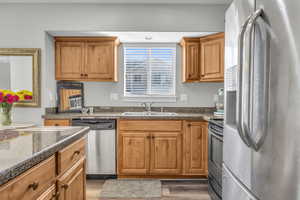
[[5, 116]]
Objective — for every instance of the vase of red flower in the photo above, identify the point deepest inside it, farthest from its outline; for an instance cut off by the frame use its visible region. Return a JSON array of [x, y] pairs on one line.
[[7, 99]]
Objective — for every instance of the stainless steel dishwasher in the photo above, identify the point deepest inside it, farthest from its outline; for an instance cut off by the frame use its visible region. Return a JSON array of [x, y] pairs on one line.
[[101, 147]]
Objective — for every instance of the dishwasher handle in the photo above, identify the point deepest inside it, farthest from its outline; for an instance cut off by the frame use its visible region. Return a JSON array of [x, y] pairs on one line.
[[95, 124]]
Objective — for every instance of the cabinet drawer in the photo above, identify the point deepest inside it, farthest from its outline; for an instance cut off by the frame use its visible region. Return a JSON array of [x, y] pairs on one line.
[[32, 183], [57, 122], [49, 194], [70, 155], [150, 125]]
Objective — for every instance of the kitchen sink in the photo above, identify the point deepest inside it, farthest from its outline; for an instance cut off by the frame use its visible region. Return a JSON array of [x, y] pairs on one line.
[[152, 113]]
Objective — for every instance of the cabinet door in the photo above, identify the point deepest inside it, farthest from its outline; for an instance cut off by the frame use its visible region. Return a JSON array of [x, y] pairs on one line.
[[72, 184], [133, 153], [57, 122], [212, 58], [195, 148], [100, 60], [50, 194], [69, 58], [166, 153], [192, 61]]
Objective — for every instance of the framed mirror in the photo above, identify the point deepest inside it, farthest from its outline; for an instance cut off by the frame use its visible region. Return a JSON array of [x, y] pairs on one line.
[[70, 96], [20, 72]]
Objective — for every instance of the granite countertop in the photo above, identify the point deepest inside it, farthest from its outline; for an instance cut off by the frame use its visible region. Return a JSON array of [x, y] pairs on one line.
[[118, 115], [21, 149]]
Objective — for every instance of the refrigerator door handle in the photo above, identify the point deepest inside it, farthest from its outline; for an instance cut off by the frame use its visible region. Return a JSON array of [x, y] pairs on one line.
[[255, 145], [239, 104]]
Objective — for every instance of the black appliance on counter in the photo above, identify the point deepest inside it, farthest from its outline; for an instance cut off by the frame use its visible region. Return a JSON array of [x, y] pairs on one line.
[[215, 158]]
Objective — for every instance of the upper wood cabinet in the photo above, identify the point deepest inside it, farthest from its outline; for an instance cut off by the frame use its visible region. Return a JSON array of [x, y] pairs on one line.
[[212, 57], [86, 59], [195, 148], [191, 59], [203, 58]]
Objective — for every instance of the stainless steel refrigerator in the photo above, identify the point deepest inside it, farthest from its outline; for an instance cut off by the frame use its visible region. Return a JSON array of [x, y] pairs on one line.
[[262, 101]]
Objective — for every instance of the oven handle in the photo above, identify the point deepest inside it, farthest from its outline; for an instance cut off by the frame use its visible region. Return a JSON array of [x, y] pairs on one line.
[[215, 135]]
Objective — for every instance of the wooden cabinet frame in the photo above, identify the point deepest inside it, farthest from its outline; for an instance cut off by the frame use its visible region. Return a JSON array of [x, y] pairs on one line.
[[86, 71]]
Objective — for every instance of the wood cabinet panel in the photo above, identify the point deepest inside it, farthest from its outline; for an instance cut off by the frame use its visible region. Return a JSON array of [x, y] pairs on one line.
[[69, 58], [133, 153], [166, 153], [57, 122], [100, 60], [195, 148], [72, 184], [150, 125], [86, 58], [32, 183], [70, 155], [191, 59], [212, 58]]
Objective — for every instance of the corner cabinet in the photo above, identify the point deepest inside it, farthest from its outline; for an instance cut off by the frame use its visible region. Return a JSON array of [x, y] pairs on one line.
[[86, 59], [203, 59], [162, 148]]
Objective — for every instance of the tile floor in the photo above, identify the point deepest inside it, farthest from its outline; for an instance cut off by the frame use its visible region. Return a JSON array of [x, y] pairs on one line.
[[171, 190]]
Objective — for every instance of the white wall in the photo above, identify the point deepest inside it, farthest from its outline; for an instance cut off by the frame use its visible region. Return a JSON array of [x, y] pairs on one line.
[[25, 26]]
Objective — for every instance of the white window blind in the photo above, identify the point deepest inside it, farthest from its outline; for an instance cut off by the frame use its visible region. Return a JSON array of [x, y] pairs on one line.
[[149, 70]]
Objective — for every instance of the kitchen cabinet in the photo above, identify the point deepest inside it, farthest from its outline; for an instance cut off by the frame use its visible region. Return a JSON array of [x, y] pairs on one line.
[[57, 122], [212, 58], [134, 153], [166, 153], [195, 148], [71, 185], [50, 194], [190, 59], [86, 59], [203, 59], [146, 147]]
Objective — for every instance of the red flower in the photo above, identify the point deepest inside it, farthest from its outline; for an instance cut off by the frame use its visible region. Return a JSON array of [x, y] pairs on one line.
[[1, 99], [27, 97], [10, 99], [16, 98]]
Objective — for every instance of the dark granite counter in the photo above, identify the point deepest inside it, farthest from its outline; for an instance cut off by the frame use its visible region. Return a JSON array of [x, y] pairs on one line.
[[119, 115], [21, 149]]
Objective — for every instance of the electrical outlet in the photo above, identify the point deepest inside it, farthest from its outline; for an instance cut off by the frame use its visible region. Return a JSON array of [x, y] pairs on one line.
[[183, 97], [114, 96]]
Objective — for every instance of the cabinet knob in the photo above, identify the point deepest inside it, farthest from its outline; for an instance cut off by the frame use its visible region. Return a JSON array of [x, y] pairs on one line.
[[148, 137], [189, 125], [81, 74], [86, 75], [33, 185], [65, 186], [76, 153]]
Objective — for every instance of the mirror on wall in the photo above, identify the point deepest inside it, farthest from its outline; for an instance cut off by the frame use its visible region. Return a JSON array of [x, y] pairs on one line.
[[20, 72], [70, 96]]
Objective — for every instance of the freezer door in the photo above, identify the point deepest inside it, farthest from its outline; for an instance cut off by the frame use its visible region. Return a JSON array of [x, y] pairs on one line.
[[236, 155], [275, 173], [233, 189]]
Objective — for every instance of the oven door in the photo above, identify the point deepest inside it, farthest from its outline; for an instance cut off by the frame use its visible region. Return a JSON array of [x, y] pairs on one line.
[[215, 156]]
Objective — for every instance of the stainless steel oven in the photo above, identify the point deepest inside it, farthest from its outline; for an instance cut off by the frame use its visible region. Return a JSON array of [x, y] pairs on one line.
[[215, 158]]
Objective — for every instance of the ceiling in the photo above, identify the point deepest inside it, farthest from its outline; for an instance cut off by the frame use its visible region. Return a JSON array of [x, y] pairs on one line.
[[134, 37], [214, 2]]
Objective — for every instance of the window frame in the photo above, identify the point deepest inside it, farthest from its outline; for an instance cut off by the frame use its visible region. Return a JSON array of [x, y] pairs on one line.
[[153, 98]]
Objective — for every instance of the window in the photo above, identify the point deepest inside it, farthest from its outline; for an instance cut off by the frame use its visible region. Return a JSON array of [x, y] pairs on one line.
[[149, 70]]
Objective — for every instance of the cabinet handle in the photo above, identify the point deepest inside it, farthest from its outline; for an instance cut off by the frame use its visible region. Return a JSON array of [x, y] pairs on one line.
[[153, 137], [76, 153], [56, 124], [33, 185], [65, 186], [86, 75], [81, 74], [148, 137], [189, 125]]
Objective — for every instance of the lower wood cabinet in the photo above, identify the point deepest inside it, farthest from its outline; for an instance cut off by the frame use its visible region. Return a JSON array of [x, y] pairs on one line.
[[150, 152], [196, 148], [166, 153], [133, 153], [57, 122], [71, 185], [45, 182]]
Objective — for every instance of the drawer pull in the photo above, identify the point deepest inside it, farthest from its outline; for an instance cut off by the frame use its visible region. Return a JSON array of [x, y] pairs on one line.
[[75, 153], [65, 186], [33, 185]]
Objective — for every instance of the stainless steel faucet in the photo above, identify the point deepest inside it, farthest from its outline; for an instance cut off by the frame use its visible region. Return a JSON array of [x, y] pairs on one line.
[[147, 105]]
